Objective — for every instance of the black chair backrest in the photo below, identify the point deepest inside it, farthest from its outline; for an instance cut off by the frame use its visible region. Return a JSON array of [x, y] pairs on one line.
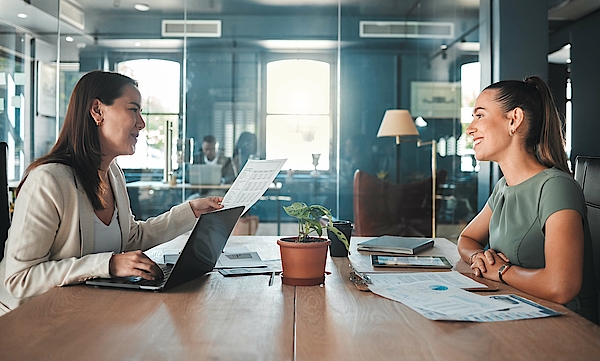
[[587, 174], [4, 211]]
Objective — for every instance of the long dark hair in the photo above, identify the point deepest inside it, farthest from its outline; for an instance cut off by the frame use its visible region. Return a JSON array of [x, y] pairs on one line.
[[78, 144], [545, 134]]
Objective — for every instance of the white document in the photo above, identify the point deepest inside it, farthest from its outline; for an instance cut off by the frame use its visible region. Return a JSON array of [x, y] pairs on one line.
[[431, 300], [252, 182], [452, 278], [239, 257], [520, 309], [447, 301], [273, 267]]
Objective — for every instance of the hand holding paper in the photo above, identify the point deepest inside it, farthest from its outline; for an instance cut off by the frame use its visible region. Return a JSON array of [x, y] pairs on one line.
[[252, 182]]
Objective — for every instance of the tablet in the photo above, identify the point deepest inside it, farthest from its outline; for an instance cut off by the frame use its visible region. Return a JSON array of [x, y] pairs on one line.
[[410, 261]]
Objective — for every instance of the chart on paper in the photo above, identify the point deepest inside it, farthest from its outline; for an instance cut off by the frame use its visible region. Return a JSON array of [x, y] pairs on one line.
[[252, 182]]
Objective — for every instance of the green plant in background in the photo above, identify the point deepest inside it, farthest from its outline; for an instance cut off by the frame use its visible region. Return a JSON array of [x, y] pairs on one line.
[[310, 218]]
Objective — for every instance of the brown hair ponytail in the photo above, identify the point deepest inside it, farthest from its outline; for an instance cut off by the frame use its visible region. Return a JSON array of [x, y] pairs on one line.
[[545, 133]]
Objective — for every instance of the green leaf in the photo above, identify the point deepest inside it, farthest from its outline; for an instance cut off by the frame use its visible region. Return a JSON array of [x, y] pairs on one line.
[[340, 235], [309, 218]]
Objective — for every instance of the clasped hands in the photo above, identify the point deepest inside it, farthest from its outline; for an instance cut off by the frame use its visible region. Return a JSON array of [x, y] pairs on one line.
[[487, 263]]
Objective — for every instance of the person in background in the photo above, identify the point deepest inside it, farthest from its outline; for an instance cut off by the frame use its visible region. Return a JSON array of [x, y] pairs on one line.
[[532, 233], [209, 153], [245, 148], [72, 219]]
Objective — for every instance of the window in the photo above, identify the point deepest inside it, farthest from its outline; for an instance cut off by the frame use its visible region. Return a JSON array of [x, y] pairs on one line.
[[469, 84], [160, 108], [298, 107]]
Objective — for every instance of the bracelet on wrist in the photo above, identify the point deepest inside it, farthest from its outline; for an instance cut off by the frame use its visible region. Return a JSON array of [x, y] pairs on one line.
[[502, 270]]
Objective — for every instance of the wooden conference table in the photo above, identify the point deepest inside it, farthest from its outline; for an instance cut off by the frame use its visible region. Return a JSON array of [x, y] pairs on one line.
[[243, 318]]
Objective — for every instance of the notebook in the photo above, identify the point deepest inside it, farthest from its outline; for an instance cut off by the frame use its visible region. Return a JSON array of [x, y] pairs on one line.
[[199, 255], [396, 244], [205, 174]]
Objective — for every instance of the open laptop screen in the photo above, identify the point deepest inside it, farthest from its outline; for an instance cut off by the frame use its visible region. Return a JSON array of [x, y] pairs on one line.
[[206, 243]]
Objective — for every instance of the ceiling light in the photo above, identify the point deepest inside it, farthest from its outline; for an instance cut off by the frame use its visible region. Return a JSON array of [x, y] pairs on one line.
[[69, 39], [22, 15], [137, 43], [141, 7]]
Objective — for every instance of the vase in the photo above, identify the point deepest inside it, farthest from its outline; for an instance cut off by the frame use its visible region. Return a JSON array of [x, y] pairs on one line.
[[303, 263]]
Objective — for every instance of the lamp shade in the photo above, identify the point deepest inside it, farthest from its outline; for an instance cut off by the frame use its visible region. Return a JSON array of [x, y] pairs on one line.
[[397, 123]]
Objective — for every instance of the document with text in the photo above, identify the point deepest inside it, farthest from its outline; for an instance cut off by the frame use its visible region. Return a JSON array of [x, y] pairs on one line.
[[252, 182], [452, 278], [239, 257], [437, 301]]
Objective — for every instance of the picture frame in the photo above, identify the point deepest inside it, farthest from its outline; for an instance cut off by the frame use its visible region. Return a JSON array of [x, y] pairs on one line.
[[435, 99]]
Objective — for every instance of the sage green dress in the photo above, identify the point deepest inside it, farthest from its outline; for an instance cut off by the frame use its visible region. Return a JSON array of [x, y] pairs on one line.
[[519, 214]]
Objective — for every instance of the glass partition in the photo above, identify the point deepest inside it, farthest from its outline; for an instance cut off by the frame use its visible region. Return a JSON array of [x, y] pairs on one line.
[[408, 56], [255, 80]]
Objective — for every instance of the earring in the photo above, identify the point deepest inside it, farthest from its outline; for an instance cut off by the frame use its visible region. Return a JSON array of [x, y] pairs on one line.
[[511, 132]]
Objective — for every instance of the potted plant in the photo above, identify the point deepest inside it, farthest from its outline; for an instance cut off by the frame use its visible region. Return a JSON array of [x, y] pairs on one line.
[[303, 257]]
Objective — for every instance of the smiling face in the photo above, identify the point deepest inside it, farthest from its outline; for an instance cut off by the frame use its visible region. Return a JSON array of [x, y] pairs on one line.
[[490, 128], [119, 124]]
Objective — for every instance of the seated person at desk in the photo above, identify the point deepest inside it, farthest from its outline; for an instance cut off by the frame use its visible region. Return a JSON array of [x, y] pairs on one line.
[[534, 222], [72, 219], [245, 148], [208, 153]]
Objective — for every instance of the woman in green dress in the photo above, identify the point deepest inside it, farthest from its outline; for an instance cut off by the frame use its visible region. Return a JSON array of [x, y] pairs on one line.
[[532, 233]]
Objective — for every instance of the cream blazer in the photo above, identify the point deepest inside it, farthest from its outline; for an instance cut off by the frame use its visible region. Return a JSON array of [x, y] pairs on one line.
[[51, 239]]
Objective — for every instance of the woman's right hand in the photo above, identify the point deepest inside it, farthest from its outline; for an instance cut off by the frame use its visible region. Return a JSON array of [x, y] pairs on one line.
[[134, 263]]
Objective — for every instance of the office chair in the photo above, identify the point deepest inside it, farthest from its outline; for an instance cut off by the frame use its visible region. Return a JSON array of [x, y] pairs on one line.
[[382, 207], [587, 174], [4, 211]]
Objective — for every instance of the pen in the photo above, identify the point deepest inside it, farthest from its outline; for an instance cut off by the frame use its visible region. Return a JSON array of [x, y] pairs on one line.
[[271, 278]]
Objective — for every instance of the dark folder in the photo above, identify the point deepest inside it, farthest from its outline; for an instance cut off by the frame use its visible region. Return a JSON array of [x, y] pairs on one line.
[[396, 244]]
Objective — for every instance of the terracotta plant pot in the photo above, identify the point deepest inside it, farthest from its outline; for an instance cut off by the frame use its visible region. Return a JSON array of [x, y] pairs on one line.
[[303, 263]]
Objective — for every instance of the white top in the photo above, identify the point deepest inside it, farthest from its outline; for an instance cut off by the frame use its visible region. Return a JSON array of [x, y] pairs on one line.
[[107, 238], [214, 161]]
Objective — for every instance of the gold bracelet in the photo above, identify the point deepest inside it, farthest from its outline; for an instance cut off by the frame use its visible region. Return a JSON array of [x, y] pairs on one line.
[[474, 254], [502, 270]]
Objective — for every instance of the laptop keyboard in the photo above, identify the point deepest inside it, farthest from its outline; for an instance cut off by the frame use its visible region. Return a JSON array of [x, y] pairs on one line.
[[166, 269]]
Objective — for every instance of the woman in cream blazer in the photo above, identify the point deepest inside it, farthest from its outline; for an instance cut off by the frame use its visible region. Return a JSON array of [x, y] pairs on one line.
[[51, 241]]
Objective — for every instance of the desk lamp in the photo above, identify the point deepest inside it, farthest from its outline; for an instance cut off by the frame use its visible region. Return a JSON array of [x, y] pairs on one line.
[[399, 123]]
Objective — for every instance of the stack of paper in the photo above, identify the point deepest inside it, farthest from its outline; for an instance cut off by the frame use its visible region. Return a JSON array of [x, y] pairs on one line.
[[438, 301], [239, 257], [240, 261]]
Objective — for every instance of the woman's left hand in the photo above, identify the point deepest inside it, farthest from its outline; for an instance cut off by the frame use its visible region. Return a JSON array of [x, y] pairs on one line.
[[486, 264], [203, 205]]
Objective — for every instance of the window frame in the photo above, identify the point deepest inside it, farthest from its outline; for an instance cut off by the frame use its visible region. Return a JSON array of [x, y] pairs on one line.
[[329, 57]]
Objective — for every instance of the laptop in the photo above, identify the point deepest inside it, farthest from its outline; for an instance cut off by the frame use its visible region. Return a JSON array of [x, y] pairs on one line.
[[199, 255], [205, 174]]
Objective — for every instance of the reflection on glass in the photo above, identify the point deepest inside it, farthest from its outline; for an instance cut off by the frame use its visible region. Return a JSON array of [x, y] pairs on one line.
[[296, 105]]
